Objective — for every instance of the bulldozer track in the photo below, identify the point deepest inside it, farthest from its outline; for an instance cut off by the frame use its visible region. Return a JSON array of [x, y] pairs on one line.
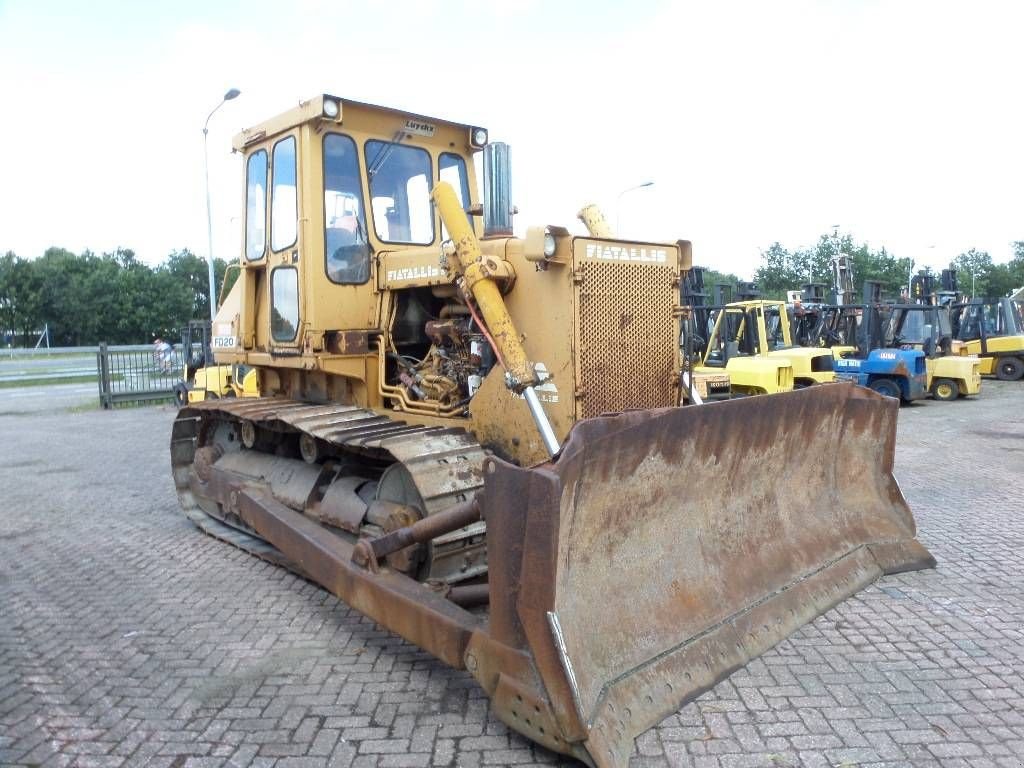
[[444, 464]]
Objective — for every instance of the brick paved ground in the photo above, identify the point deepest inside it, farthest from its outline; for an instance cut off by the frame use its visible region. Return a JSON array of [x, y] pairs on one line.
[[128, 638]]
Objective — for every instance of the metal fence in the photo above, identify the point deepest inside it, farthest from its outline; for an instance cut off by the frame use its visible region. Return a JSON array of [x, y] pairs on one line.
[[129, 377]]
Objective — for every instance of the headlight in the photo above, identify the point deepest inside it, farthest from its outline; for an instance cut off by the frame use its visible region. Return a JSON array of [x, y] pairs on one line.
[[478, 137], [331, 108], [549, 245]]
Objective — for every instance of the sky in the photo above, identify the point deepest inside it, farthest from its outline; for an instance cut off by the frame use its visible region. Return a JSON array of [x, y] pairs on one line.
[[899, 120]]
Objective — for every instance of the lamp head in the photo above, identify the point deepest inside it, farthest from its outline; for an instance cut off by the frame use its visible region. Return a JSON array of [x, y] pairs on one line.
[[231, 94]]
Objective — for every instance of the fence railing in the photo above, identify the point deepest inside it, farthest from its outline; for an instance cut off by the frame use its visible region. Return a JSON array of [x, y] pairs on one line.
[[137, 375], [42, 352]]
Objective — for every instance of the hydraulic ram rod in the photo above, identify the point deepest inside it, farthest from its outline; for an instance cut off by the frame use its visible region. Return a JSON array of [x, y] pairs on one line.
[[479, 276]]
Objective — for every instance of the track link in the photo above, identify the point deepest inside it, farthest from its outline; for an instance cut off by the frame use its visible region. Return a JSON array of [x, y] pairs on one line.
[[443, 464]]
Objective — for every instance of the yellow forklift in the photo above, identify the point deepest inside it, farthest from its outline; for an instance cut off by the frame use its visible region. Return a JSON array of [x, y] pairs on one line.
[[993, 330], [751, 340], [205, 379]]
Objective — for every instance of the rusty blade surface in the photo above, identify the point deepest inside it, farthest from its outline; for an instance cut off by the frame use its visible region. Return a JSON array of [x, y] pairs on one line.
[[665, 549]]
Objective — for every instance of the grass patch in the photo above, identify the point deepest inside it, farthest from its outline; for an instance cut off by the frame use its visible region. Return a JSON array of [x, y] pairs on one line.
[[84, 407], [146, 402]]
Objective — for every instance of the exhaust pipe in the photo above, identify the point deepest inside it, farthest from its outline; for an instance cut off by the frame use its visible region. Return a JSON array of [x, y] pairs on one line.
[[497, 205]]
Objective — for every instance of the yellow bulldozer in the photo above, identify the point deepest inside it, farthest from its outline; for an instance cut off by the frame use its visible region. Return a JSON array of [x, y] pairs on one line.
[[453, 416]]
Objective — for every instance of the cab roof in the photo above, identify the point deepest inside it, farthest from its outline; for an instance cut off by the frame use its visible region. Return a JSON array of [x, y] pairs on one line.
[[319, 107]]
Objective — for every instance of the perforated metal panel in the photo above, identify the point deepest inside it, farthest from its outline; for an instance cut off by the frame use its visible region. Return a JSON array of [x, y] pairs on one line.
[[627, 336]]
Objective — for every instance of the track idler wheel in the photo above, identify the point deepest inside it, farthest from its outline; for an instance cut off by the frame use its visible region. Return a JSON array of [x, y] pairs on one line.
[[204, 460]]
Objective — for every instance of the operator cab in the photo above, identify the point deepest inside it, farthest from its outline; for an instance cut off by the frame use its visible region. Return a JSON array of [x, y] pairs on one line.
[[920, 325], [337, 197], [982, 319], [729, 336]]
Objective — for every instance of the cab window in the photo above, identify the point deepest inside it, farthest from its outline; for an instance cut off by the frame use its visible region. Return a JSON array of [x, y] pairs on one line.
[[400, 182], [913, 328], [346, 246], [256, 205], [969, 330], [1014, 321], [728, 338], [284, 304], [284, 211], [452, 169]]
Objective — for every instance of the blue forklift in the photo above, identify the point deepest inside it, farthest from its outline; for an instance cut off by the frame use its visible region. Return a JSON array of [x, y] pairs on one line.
[[860, 355]]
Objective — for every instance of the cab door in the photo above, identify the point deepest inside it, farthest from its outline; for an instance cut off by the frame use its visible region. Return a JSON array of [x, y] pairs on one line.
[[284, 283], [972, 327]]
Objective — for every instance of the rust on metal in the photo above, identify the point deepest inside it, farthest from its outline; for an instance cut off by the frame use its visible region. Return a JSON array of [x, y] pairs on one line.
[[625, 576], [403, 605], [715, 577], [368, 551], [626, 355], [341, 506], [348, 342], [469, 595]]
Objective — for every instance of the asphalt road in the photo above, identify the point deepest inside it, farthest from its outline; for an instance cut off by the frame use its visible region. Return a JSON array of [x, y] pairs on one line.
[[46, 363], [127, 637], [21, 401]]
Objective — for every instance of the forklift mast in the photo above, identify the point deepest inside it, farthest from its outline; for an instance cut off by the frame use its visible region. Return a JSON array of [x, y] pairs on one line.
[[949, 292], [813, 293], [869, 329], [922, 287], [197, 332], [747, 291], [693, 288], [842, 280], [723, 294], [872, 292], [695, 329]]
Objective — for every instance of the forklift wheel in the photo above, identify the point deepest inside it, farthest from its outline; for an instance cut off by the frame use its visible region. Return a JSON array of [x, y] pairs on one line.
[[181, 394], [887, 387], [1010, 368], [945, 389]]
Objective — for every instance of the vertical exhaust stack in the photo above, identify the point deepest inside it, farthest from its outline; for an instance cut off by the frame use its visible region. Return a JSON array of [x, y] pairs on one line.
[[498, 208]]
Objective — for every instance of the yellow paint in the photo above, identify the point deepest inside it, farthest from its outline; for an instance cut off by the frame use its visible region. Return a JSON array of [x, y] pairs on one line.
[[479, 275]]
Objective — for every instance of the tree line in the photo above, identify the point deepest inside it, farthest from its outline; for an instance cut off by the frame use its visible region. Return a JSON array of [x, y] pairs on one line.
[[86, 298], [783, 270]]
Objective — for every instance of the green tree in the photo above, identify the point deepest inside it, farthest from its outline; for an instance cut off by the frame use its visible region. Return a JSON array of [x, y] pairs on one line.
[[193, 271], [779, 271], [1015, 267], [782, 270], [713, 277], [114, 297], [20, 313], [974, 271]]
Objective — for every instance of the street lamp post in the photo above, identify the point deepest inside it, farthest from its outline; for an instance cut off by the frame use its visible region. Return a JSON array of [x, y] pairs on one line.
[[618, 202], [231, 94]]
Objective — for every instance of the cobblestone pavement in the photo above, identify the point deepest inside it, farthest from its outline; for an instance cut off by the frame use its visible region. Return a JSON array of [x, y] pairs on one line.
[[129, 638]]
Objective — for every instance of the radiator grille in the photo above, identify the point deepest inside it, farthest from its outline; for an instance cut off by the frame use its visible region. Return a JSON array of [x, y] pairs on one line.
[[627, 336]]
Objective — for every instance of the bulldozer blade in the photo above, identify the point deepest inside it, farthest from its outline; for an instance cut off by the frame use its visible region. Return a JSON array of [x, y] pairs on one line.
[[662, 550]]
